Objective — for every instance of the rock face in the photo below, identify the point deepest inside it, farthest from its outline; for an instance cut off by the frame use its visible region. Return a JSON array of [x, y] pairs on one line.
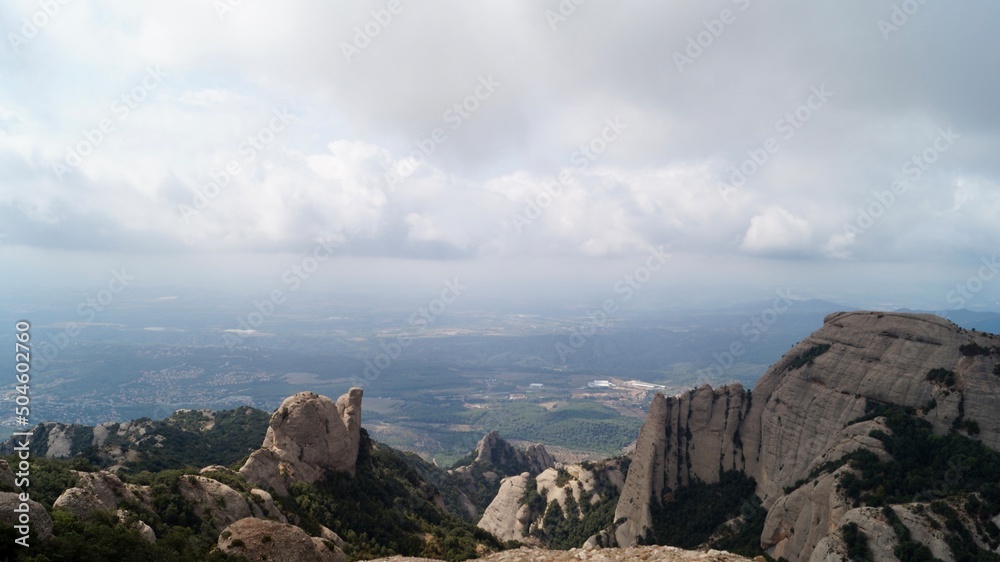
[[308, 435], [40, 523], [635, 554], [504, 515], [101, 490], [491, 449], [509, 517], [213, 500], [796, 418], [257, 539]]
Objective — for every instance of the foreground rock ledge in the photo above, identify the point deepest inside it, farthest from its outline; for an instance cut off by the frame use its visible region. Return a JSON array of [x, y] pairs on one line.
[[635, 553]]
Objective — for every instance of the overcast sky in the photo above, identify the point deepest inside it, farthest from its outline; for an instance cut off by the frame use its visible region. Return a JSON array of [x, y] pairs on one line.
[[846, 149]]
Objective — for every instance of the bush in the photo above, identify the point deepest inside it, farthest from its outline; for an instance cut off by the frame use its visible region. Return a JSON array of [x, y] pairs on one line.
[[856, 542], [806, 357], [942, 376]]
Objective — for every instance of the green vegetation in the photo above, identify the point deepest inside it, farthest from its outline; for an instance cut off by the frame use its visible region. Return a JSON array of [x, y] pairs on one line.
[[907, 548], [577, 425], [689, 516], [857, 543], [925, 466], [385, 509], [807, 356], [942, 376], [99, 539], [571, 525], [973, 349], [232, 436]]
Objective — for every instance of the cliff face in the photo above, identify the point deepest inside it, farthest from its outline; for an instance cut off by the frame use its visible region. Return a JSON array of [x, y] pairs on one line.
[[797, 418]]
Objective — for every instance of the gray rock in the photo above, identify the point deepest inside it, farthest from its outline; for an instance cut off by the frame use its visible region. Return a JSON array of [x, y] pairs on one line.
[[259, 539], [308, 435], [40, 522], [795, 418]]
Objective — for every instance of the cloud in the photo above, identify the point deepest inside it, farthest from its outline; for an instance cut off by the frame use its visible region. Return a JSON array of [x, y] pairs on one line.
[[481, 186], [776, 232]]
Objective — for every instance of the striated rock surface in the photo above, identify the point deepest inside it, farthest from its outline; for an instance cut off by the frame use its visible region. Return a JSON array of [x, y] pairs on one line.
[[503, 518], [795, 419], [308, 435], [259, 540], [213, 501], [634, 554]]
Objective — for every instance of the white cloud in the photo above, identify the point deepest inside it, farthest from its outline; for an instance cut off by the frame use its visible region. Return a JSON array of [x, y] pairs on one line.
[[775, 231]]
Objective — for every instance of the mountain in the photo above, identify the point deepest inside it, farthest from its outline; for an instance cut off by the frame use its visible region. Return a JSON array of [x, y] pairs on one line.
[[186, 438], [847, 447], [315, 470]]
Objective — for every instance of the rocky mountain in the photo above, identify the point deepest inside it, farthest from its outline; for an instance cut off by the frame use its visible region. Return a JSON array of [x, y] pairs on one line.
[[476, 479], [558, 508], [315, 469], [853, 400], [188, 437]]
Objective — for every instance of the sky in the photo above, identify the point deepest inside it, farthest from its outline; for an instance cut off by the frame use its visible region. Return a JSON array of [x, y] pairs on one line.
[[845, 149]]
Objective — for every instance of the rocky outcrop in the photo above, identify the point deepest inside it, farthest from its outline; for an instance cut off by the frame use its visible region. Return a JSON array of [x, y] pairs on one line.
[[507, 515], [493, 450], [635, 554], [40, 522], [101, 490], [798, 417], [308, 435], [213, 501], [512, 515], [258, 540], [7, 476]]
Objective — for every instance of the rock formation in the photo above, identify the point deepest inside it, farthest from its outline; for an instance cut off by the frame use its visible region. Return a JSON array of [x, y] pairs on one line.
[[41, 522], [492, 460], [493, 450], [635, 554], [799, 416], [506, 515], [510, 516], [308, 435], [258, 540]]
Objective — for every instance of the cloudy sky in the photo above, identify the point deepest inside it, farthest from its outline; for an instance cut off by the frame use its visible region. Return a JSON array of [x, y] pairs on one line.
[[847, 149]]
